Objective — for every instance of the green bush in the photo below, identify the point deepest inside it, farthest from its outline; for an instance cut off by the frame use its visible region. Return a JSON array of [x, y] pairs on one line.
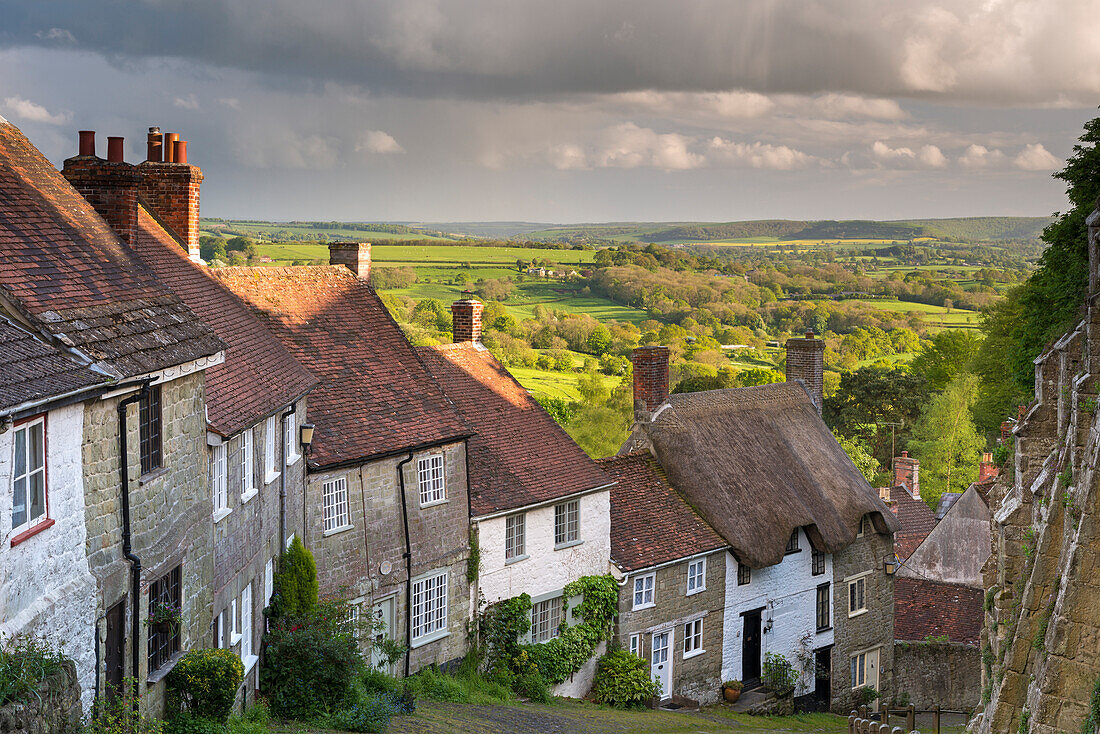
[[25, 663], [531, 685], [779, 675], [120, 715], [206, 682], [369, 714], [623, 680], [186, 723], [375, 681], [254, 721], [295, 582]]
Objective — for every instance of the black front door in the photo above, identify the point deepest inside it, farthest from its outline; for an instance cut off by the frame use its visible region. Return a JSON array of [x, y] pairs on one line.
[[115, 649], [822, 674], [750, 648]]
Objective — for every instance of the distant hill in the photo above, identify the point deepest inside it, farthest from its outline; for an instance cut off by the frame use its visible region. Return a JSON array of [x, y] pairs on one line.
[[986, 228]]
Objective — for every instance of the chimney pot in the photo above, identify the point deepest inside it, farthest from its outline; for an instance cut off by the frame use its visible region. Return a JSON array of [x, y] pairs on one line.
[[466, 320], [169, 147], [87, 142], [155, 142], [905, 454], [116, 150], [354, 255], [809, 333], [650, 377], [179, 151]]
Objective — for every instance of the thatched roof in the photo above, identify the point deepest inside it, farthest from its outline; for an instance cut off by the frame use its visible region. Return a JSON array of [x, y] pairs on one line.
[[758, 462]]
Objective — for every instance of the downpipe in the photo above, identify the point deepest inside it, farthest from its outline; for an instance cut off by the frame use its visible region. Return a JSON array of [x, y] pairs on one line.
[[408, 562], [127, 548]]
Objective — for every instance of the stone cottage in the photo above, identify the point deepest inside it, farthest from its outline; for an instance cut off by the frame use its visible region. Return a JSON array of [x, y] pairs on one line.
[[806, 575], [539, 506], [387, 509]]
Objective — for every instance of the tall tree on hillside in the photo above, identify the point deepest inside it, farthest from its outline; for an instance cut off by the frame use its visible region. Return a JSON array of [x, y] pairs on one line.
[[946, 441], [949, 353]]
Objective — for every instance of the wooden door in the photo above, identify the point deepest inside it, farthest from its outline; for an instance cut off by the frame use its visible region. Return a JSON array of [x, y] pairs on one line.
[[115, 650], [750, 648]]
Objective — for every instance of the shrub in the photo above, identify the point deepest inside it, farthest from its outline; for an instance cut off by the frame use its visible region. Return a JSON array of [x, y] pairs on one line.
[[432, 684], [779, 675], [623, 680], [206, 682], [295, 587], [865, 695], [371, 713], [733, 685], [186, 723], [120, 716], [23, 665], [254, 721], [531, 685], [375, 681]]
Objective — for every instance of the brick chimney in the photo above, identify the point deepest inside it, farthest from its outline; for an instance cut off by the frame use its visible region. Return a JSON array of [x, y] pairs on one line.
[[987, 469], [907, 474], [650, 377], [354, 255], [466, 320], [110, 186], [806, 362], [171, 190]]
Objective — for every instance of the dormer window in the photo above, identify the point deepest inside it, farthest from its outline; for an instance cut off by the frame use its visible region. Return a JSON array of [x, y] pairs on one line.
[[792, 542]]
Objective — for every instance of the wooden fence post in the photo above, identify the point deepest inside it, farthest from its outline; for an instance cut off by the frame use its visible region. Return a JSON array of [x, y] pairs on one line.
[[883, 713], [910, 718], [936, 719]]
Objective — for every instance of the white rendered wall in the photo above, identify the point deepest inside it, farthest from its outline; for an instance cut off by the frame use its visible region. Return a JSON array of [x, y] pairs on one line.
[[545, 570], [788, 591], [46, 589]]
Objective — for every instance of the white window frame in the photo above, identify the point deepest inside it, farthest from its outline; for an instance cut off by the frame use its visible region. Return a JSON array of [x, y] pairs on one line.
[[234, 625], [335, 513], [246, 628], [26, 476], [515, 537], [567, 524], [223, 631], [219, 481], [636, 645], [291, 435], [271, 436], [697, 576], [248, 469], [429, 608], [431, 480], [550, 610], [269, 581], [862, 525], [858, 585], [645, 586], [693, 638]]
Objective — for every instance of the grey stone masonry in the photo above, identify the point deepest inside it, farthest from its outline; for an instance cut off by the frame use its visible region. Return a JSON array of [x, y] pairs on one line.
[[51, 708], [699, 677], [170, 515], [856, 632], [364, 560]]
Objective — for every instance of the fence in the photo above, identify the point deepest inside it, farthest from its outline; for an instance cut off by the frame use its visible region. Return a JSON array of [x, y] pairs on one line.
[[864, 721]]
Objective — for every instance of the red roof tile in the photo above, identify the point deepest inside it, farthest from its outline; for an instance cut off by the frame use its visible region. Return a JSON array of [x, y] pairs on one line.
[[916, 520], [375, 396], [924, 609], [259, 375], [519, 455], [650, 522], [63, 268]]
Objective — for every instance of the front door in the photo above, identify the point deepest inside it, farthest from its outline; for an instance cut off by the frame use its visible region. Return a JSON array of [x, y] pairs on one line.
[[383, 614], [750, 648], [115, 650], [822, 675], [661, 661], [872, 669]]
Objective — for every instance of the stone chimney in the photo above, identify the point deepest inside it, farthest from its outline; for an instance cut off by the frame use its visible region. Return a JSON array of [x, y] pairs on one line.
[[110, 186], [650, 378], [354, 255], [466, 320], [907, 474], [987, 469], [806, 362], [171, 189]]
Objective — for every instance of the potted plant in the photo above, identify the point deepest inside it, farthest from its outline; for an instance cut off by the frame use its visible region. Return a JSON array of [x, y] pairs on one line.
[[162, 617], [731, 690]]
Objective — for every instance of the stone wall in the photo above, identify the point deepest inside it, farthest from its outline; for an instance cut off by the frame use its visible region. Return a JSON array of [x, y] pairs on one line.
[[944, 674], [53, 708]]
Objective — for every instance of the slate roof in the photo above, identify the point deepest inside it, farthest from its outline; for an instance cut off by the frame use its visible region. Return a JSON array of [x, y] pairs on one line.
[[914, 517], [925, 609], [519, 455], [32, 369], [64, 269], [259, 375], [650, 522], [375, 397], [758, 462]]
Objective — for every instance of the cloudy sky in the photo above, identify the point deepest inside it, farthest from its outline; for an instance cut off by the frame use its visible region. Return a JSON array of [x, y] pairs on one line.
[[573, 110]]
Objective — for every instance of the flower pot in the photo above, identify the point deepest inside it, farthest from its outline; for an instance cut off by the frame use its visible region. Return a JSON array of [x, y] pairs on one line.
[[162, 628], [731, 694]]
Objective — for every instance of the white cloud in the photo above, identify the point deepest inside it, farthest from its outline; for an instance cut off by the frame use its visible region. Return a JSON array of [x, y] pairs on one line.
[[885, 153], [978, 156], [1035, 157], [630, 146], [57, 35], [231, 102], [932, 156], [27, 110], [848, 106], [759, 155], [378, 142], [190, 102], [566, 157]]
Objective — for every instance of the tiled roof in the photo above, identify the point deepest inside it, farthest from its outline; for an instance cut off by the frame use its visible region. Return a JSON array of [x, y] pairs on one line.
[[375, 397], [650, 522], [31, 369], [518, 456], [916, 520], [259, 375], [62, 267], [924, 609]]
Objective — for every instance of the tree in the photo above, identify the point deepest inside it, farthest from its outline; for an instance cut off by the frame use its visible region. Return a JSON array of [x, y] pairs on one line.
[[860, 455], [241, 244], [599, 340], [946, 440], [211, 248], [295, 582], [997, 364], [950, 352]]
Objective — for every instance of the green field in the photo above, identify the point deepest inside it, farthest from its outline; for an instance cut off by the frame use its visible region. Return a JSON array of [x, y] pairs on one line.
[[279, 230], [554, 384], [931, 315], [414, 255]]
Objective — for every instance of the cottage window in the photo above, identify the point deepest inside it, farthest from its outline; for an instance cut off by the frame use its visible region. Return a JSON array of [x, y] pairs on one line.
[[246, 626], [269, 450], [697, 576], [643, 591], [515, 537], [566, 523], [429, 606], [862, 526], [234, 626], [150, 430], [433, 486], [248, 482], [823, 621], [857, 597], [693, 638], [29, 506], [353, 620], [859, 670], [291, 449], [744, 574], [219, 481], [334, 505], [817, 562], [269, 581], [636, 645], [545, 619], [164, 638], [792, 542]]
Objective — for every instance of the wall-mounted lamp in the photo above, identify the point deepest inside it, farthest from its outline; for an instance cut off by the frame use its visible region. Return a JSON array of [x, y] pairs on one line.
[[890, 564], [306, 430]]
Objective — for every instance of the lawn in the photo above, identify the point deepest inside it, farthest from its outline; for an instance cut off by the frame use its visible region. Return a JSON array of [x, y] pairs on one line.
[[554, 384]]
